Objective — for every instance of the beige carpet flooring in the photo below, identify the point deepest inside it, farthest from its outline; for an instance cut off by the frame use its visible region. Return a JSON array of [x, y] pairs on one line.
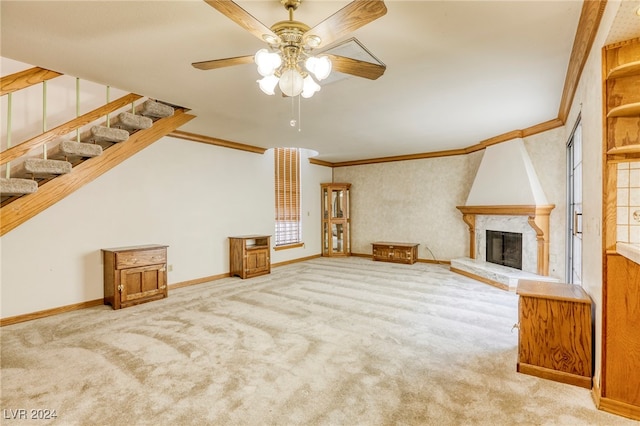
[[322, 342]]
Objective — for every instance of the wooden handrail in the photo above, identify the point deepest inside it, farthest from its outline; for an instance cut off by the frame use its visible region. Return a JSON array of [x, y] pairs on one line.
[[66, 128], [24, 79], [27, 206]]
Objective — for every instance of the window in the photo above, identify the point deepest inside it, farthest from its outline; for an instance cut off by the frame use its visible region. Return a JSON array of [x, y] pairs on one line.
[[287, 170]]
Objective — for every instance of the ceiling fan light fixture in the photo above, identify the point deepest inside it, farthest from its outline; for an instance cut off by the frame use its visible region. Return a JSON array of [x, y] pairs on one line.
[[309, 87], [268, 84], [271, 39], [291, 82], [268, 62], [319, 66], [312, 41]]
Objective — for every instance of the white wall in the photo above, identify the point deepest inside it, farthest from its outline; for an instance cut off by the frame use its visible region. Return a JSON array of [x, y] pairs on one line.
[[506, 177], [187, 195]]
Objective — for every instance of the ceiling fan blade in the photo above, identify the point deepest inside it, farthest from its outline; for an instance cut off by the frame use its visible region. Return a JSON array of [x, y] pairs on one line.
[[356, 67], [351, 17], [221, 63], [241, 17]]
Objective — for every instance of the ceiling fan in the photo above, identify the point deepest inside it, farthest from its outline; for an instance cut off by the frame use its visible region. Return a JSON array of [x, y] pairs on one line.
[[289, 62]]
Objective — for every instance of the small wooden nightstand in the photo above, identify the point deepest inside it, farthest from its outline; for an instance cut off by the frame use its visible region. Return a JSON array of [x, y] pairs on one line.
[[249, 255], [134, 275]]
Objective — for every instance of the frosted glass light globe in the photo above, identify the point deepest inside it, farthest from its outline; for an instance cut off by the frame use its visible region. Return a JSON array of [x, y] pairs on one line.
[[310, 87], [268, 83], [291, 82], [319, 66], [267, 62]]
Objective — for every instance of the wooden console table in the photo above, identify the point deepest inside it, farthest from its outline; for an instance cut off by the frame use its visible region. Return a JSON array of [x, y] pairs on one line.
[[395, 252]]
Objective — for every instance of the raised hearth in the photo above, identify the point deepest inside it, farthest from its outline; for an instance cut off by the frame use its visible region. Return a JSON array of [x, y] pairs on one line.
[[499, 276]]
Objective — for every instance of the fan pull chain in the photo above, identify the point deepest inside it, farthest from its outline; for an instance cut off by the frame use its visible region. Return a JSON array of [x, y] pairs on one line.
[[295, 121], [299, 115]]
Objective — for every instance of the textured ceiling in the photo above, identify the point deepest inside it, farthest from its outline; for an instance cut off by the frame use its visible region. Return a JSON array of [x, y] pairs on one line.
[[458, 72]]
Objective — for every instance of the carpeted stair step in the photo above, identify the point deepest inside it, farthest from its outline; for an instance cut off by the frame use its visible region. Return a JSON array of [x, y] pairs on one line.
[[10, 187], [42, 168], [151, 108], [131, 122], [108, 134], [67, 148]]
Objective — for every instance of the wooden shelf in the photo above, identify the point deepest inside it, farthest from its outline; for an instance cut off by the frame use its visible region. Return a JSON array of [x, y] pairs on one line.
[[625, 149], [624, 70], [628, 110]]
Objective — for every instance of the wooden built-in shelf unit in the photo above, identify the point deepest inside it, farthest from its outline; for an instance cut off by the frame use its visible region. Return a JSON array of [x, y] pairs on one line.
[[619, 388]]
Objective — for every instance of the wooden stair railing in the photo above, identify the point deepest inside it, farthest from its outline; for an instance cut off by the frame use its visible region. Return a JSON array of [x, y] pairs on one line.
[[24, 208], [23, 148], [24, 79]]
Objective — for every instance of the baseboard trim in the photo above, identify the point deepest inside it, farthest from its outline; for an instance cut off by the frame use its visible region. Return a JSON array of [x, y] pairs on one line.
[[501, 286], [555, 375], [97, 302], [619, 408], [197, 281], [50, 312], [300, 259]]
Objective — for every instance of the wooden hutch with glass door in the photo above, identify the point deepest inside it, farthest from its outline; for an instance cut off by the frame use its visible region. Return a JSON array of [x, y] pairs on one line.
[[336, 232]]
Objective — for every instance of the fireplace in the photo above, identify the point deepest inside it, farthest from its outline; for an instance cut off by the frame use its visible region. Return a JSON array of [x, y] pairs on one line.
[[504, 248]]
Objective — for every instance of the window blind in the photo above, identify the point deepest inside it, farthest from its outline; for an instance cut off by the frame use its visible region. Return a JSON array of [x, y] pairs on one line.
[[287, 193]]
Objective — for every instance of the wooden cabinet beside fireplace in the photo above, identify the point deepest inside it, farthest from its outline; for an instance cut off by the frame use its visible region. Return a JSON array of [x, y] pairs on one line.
[[554, 339], [134, 275]]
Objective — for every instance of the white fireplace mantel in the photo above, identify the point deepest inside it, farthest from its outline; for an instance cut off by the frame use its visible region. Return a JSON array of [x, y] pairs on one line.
[[537, 217]]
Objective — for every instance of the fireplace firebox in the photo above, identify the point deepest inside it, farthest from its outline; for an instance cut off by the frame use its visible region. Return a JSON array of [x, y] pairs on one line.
[[504, 248]]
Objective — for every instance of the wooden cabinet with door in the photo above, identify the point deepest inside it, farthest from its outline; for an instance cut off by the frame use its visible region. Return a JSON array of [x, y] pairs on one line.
[[134, 275], [619, 387], [249, 255], [554, 338], [336, 232]]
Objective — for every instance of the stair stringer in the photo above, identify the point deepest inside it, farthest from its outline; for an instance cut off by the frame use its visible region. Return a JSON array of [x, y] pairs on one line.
[[24, 208]]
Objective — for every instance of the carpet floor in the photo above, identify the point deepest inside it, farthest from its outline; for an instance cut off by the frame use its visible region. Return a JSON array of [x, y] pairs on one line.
[[327, 341]]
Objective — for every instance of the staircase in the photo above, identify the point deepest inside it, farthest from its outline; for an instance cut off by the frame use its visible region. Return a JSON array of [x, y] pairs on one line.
[[70, 156]]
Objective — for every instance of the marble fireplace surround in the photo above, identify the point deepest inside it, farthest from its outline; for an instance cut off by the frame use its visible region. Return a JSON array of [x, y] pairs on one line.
[[512, 219]]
